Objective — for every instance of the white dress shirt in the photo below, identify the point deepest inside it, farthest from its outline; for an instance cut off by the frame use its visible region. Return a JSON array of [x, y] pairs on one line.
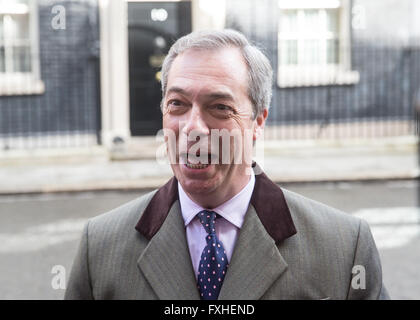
[[227, 228]]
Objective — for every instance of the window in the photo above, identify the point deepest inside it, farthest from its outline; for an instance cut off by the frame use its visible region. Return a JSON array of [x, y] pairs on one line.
[[19, 61], [313, 43]]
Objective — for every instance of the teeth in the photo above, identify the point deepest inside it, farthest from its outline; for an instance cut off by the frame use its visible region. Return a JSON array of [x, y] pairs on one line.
[[196, 166]]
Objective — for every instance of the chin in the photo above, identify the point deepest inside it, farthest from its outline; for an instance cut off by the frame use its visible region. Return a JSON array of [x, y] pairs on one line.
[[196, 184], [197, 187]]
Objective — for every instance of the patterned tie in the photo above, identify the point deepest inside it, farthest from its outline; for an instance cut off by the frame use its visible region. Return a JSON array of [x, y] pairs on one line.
[[213, 263]]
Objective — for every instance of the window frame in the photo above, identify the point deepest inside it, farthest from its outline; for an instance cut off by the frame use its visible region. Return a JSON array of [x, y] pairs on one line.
[[295, 75], [26, 83]]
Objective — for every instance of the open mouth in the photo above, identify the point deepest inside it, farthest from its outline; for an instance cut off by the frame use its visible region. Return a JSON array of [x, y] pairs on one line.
[[196, 166], [197, 162]]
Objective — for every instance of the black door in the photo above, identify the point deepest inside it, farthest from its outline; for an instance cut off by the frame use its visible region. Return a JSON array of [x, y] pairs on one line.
[[152, 29]]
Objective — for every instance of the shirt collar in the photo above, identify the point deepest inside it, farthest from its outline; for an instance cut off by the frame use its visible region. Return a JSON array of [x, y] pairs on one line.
[[233, 210], [267, 199]]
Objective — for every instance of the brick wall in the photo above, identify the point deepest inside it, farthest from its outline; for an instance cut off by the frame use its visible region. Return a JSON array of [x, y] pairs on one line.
[[69, 61], [386, 53]]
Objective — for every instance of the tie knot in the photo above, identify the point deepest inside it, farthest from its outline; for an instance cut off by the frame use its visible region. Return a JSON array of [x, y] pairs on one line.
[[207, 219]]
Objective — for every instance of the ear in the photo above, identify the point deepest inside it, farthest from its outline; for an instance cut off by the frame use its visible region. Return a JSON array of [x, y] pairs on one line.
[[260, 123]]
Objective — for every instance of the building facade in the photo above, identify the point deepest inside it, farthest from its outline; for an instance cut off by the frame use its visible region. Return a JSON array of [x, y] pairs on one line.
[[82, 73]]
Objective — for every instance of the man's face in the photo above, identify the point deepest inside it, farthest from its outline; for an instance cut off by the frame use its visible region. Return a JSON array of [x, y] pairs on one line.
[[208, 90]]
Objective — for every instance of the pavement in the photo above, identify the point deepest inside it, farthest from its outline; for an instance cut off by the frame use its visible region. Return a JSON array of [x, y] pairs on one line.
[[141, 165]]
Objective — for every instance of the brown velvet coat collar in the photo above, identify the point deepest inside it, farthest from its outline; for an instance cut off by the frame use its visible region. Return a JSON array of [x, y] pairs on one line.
[[267, 199]]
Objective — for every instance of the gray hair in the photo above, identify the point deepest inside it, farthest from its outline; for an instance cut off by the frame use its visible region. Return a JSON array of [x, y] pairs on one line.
[[259, 68]]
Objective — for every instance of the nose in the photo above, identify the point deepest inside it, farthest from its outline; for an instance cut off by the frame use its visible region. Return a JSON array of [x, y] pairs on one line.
[[196, 122]]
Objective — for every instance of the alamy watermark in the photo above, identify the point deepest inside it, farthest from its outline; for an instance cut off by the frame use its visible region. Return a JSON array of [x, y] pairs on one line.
[[358, 281], [58, 22], [221, 146], [59, 279]]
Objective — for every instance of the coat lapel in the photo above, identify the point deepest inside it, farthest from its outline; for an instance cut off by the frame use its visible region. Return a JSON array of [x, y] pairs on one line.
[[166, 262], [256, 262]]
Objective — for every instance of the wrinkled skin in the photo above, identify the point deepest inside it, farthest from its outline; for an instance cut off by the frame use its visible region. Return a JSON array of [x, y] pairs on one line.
[[208, 90]]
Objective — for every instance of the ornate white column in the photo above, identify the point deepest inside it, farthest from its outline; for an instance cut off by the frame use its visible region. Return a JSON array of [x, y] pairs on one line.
[[115, 104]]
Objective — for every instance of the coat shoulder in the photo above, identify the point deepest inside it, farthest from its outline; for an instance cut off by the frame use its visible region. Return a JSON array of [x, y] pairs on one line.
[[331, 235], [326, 247], [120, 219], [319, 217], [110, 242]]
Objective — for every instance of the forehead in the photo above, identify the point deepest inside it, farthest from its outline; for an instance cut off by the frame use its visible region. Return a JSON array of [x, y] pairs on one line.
[[216, 68]]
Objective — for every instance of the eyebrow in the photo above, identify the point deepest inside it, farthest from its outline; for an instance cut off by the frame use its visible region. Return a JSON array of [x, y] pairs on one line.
[[211, 95], [176, 90]]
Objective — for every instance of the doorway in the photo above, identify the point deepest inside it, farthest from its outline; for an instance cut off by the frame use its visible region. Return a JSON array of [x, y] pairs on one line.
[[152, 29]]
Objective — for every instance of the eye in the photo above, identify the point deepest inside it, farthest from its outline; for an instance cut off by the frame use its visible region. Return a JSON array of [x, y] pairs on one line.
[[174, 102], [221, 110], [223, 107], [176, 106]]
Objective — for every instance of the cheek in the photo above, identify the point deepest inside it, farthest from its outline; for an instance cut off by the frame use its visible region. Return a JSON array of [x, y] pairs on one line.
[[166, 121], [169, 123], [245, 125], [171, 137]]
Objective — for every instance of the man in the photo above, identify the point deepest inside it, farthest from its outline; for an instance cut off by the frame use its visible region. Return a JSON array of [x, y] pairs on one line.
[[217, 229]]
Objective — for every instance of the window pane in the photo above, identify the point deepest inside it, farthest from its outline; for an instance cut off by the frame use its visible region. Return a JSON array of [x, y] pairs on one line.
[[288, 52], [332, 51], [312, 21], [288, 21], [1, 30], [332, 20], [18, 29], [312, 52], [2, 66], [21, 59], [309, 36], [17, 43]]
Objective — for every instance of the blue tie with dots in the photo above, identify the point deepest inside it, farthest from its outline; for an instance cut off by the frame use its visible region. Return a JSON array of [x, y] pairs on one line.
[[213, 264]]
